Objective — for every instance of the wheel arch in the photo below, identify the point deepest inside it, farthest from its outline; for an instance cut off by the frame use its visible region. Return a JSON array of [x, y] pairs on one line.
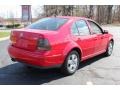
[[110, 39], [76, 48]]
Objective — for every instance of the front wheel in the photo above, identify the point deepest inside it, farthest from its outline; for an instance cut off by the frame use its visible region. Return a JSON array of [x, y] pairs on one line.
[[109, 49], [71, 63]]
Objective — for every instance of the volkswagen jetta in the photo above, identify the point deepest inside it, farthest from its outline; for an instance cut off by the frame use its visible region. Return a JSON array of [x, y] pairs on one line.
[[61, 41]]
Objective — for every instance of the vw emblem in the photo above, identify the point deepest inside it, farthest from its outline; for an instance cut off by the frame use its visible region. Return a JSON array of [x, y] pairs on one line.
[[21, 35]]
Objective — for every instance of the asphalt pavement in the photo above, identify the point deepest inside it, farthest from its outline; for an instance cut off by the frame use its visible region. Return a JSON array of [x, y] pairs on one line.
[[99, 70]]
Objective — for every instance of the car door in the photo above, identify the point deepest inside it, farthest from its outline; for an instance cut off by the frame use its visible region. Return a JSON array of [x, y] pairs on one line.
[[84, 39], [101, 39]]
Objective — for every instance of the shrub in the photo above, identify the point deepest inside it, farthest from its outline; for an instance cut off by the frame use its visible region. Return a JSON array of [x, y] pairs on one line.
[[1, 25], [13, 26]]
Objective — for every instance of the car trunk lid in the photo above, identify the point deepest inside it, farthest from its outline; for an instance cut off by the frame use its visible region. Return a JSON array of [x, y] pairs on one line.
[[25, 39]]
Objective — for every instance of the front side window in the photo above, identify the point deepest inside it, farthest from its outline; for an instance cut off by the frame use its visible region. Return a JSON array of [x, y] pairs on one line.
[[95, 28], [48, 24], [82, 27]]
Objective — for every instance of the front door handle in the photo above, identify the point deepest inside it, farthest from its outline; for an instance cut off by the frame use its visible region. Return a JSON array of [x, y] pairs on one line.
[[102, 37]]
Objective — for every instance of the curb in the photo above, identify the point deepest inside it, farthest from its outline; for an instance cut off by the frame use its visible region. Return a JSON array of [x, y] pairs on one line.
[[5, 38]]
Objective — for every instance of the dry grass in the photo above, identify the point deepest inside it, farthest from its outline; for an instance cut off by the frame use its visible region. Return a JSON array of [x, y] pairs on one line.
[[4, 34]]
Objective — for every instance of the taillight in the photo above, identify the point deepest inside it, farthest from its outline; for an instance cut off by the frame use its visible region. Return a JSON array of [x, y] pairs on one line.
[[43, 44], [13, 38]]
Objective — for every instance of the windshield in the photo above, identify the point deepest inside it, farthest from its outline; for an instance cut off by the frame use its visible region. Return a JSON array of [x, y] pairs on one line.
[[48, 24]]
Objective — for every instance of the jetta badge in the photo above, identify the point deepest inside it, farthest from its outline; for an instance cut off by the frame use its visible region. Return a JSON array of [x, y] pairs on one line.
[[21, 35]]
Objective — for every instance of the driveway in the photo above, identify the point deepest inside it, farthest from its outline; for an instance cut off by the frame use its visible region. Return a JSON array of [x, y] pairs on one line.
[[97, 70]]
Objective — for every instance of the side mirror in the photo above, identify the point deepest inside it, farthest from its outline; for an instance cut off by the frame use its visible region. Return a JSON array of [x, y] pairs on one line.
[[105, 31]]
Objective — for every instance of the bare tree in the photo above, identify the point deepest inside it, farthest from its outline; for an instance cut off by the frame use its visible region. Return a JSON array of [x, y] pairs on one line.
[[66, 10], [91, 11], [101, 13], [109, 14], [119, 13]]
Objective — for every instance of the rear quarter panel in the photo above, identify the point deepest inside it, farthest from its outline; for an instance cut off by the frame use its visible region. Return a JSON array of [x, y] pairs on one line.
[[62, 41]]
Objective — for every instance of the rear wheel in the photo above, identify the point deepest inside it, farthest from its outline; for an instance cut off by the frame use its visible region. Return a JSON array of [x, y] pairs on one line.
[[109, 49], [71, 63], [29, 67]]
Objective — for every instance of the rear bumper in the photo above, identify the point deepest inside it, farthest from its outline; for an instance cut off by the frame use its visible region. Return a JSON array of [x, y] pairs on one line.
[[37, 58]]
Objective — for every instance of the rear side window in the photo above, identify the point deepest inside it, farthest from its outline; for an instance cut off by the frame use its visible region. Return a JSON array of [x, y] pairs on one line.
[[48, 24], [82, 27], [74, 29]]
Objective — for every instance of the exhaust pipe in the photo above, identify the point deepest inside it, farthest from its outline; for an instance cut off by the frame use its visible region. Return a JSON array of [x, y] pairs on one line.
[[13, 59]]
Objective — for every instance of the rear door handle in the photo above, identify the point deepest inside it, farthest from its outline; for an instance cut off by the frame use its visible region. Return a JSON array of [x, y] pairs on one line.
[[95, 38], [79, 39]]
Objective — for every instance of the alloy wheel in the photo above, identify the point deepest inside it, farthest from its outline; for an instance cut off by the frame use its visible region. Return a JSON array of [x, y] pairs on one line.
[[72, 62]]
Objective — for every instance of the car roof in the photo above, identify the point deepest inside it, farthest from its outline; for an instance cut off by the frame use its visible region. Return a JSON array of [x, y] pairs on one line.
[[73, 17]]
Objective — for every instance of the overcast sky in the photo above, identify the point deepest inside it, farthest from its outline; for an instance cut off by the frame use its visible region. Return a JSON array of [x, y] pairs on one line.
[[5, 10], [14, 6]]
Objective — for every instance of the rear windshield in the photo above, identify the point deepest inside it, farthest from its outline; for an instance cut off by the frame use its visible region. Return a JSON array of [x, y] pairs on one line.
[[48, 24]]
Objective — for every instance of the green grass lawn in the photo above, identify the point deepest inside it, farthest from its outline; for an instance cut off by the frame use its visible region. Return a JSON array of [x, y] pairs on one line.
[[4, 34]]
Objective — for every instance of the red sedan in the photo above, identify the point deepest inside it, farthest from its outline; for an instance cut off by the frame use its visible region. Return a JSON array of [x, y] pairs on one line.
[[59, 42]]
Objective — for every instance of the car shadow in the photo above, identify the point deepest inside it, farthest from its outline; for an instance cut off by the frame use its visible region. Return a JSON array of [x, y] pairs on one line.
[[91, 60], [18, 74]]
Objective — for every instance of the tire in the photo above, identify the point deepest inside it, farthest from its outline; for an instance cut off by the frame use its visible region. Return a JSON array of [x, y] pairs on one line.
[[28, 66], [109, 49], [71, 63]]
